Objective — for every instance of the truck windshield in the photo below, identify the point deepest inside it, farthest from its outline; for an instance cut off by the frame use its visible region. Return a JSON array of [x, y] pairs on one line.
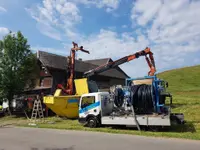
[[87, 100]]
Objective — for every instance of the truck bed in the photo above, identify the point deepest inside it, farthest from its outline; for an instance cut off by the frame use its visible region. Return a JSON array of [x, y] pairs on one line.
[[147, 120]]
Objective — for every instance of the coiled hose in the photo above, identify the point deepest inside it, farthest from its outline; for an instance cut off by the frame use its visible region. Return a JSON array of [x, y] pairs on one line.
[[141, 98], [118, 97]]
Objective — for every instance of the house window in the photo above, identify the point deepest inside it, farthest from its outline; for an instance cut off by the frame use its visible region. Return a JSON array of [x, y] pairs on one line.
[[46, 82]]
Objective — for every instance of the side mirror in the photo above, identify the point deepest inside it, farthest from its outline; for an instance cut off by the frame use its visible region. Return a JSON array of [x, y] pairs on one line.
[[167, 84]]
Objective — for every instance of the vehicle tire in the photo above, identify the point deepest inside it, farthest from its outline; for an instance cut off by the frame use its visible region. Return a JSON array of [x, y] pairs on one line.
[[92, 122]]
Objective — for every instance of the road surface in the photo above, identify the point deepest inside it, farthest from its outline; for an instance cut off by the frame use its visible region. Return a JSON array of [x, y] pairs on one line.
[[50, 139]]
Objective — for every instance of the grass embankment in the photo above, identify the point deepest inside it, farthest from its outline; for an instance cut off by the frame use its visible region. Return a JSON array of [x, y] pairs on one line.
[[184, 85]]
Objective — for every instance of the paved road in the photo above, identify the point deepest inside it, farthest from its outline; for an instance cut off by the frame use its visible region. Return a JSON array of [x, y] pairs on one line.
[[48, 139]]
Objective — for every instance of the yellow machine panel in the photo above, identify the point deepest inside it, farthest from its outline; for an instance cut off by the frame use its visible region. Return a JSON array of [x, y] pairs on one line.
[[143, 81], [58, 92], [81, 86]]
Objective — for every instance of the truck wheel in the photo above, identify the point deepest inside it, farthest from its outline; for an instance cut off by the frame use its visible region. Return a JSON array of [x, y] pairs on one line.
[[92, 122]]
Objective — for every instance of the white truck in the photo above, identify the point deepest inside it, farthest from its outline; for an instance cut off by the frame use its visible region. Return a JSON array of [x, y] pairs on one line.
[[141, 102], [98, 109], [106, 108]]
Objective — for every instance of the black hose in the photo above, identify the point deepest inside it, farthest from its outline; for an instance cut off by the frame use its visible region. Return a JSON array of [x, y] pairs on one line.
[[141, 98], [118, 97]]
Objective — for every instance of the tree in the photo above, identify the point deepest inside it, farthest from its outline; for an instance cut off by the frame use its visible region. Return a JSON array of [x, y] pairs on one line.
[[18, 66]]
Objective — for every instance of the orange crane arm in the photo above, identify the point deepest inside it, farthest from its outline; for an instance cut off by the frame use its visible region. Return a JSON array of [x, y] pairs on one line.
[[125, 59], [71, 65]]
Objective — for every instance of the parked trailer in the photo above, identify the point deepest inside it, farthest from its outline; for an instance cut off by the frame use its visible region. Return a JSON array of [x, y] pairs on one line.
[[142, 102]]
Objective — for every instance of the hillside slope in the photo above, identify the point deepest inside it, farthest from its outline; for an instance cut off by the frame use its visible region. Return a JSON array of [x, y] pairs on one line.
[[184, 85], [183, 79]]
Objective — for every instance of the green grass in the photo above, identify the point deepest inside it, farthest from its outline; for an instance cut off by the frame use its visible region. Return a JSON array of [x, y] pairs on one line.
[[183, 80], [184, 85]]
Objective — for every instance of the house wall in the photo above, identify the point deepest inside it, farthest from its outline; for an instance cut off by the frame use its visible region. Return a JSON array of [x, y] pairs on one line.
[[43, 83], [59, 77], [52, 77], [104, 83], [114, 81], [46, 79]]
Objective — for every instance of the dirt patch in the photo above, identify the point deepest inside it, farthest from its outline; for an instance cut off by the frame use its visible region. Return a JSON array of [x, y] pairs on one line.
[[13, 122]]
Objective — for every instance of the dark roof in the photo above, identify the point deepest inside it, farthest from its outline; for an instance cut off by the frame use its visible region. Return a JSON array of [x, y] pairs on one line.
[[52, 60], [98, 61], [60, 62]]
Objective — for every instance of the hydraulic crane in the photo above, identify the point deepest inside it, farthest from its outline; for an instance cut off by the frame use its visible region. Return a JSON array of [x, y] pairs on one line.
[[105, 67], [71, 65]]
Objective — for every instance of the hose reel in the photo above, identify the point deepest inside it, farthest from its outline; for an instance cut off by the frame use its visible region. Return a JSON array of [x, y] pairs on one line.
[[141, 97]]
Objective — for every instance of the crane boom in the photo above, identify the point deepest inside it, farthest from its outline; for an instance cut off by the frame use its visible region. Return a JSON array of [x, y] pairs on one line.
[[71, 60], [105, 67]]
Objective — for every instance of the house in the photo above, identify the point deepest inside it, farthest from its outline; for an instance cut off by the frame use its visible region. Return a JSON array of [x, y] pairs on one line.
[[54, 71]]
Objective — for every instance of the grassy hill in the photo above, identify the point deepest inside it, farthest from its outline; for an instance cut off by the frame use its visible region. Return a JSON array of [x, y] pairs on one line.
[[184, 85], [184, 79]]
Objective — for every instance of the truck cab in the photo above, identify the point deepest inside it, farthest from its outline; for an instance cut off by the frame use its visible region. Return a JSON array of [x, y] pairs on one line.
[[92, 106]]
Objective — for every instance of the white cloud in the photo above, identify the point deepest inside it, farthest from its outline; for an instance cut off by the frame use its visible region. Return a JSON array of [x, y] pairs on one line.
[[49, 31], [56, 18], [3, 31], [124, 26], [170, 41], [143, 11], [2, 9], [108, 5], [172, 28], [111, 44], [172, 22]]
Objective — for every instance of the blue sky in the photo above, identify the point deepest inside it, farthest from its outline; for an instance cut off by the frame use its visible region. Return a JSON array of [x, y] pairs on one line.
[[110, 28]]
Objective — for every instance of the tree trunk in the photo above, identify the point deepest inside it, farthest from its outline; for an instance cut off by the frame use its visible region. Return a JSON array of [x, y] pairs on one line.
[[10, 98], [9, 108]]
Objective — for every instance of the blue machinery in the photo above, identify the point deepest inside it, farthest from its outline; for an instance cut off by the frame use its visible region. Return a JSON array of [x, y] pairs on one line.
[[146, 98], [159, 93]]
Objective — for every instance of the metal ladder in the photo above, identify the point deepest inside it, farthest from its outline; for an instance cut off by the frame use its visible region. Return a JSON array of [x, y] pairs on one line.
[[37, 109]]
